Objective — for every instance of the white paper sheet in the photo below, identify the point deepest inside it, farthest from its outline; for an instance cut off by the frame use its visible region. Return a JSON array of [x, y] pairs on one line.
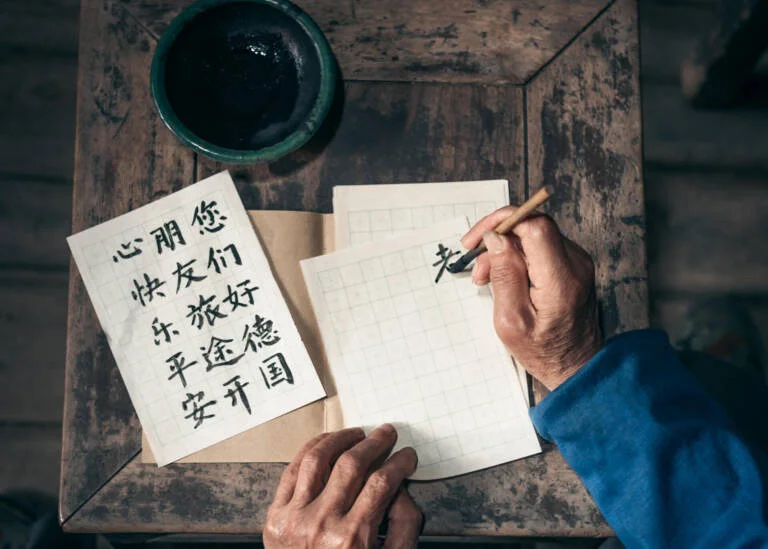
[[194, 346], [418, 353]]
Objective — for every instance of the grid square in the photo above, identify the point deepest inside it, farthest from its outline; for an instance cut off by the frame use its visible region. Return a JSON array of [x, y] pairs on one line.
[[372, 268], [377, 289], [413, 258], [398, 284], [352, 274], [357, 295], [405, 304], [392, 264], [359, 221], [381, 220], [401, 219]]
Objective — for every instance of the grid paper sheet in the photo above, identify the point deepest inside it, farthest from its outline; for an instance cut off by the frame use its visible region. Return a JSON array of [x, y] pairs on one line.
[[196, 322], [420, 354]]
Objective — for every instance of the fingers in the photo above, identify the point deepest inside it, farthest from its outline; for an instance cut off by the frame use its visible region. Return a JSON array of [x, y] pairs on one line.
[[287, 482], [405, 523], [352, 468], [382, 485], [488, 223], [316, 464], [544, 250]]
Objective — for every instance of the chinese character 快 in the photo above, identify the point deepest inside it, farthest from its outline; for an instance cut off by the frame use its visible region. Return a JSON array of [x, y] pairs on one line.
[[236, 392], [275, 371], [198, 410], [208, 217], [145, 293]]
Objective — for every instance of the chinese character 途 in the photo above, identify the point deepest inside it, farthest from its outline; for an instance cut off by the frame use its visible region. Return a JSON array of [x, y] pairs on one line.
[[277, 371], [162, 329], [204, 312], [185, 273], [218, 354], [208, 217], [177, 363], [233, 297], [145, 293], [167, 235], [218, 258], [262, 332], [198, 410], [445, 255], [123, 251], [236, 392]]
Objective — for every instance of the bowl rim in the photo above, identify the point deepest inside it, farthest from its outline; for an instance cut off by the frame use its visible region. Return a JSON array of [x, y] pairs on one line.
[[296, 138]]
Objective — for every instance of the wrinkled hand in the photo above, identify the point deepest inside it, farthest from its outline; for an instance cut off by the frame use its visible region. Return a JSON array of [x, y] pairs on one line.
[[337, 491], [545, 310]]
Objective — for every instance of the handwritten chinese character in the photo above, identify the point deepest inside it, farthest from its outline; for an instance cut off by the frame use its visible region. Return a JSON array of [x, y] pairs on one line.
[[277, 371], [185, 273], [204, 313], [218, 259], [162, 329], [167, 236], [208, 217], [218, 354], [145, 293], [127, 250], [236, 392], [445, 255], [198, 410], [262, 332], [233, 297], [177, 363]]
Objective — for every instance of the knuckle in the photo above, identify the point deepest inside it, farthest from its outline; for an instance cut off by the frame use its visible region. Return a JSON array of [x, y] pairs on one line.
[[314, 462], [349, 464], [511, 325], [381, 482], [541, 228]]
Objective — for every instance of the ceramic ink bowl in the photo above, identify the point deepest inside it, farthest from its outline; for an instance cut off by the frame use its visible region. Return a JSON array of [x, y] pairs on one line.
[[243, 80]]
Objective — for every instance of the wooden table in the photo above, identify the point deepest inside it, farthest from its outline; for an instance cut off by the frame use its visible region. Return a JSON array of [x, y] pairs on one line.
[[434, 90]]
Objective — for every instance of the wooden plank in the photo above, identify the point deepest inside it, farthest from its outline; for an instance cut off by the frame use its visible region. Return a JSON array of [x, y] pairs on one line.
[[482, 41], [33, 317], [35, 218], [39, 28], [707, 232], [125, 159], [584, 138], [394, 133], [30, 459]]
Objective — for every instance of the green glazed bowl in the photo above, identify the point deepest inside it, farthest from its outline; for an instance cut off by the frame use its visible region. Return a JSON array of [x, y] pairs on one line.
[[243, 80]]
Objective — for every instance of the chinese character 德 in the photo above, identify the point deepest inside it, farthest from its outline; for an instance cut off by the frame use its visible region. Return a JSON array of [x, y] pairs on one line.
[[233, 297], [445, 255], [218, 258], [236, 392], [167, 235], [204, 312], [123, 251], [198, 410], [218, 354], [262, 332], [145, 293], [277, 371], [162, 329], [177, 363], [185, 273], [208, 217]]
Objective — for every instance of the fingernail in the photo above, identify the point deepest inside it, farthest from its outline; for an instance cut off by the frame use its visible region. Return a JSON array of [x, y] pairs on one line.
[[493, 241], [358, 432], [388, 429]]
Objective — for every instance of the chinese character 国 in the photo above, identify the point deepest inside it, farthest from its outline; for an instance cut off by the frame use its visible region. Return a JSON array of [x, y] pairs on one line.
[[277, 371]]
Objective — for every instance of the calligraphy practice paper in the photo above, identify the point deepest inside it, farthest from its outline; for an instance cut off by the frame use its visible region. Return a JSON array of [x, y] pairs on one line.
[[411, 344], [198, 327]]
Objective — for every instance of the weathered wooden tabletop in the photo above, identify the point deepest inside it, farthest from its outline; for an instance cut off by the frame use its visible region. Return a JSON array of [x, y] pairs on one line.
[[434, 90]]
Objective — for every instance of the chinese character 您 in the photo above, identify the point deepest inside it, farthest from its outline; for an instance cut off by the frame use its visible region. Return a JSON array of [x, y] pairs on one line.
[[145, 293], [208, 217], [445, 255], [218, 354], [236, 392], [162, 329], [218, 258], [167, 235], [123, 251], [262, 332], [277, 371], [177, 363], [185, 273], [204, 312], [198, 410], [234, 298]]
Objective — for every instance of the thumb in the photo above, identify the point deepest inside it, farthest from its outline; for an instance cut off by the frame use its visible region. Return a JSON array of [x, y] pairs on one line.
[[512, 308]]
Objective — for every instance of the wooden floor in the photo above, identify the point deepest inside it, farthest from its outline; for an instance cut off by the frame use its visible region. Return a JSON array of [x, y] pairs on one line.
[[706, 177]]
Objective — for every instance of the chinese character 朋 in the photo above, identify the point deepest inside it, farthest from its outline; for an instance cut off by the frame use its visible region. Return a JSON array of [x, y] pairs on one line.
[[198, 410], [218, 258], [167, 235], [236, 392], [177, 363], [234, 298], [162, 329], [277, 371], [185, 273], [218, 354], [445, 255], [208, 217], [204, 312], [145, 293], [123, 251], [262, 332]]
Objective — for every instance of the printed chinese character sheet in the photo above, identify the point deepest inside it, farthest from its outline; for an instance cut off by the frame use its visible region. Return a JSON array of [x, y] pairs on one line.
[[411, 344], [198, 327]]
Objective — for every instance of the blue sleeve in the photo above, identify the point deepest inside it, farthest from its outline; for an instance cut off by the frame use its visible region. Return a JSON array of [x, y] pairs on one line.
[[658, 454]]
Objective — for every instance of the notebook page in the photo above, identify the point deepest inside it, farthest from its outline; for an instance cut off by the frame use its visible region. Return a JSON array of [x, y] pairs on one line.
[[196, 322], [421, 354]]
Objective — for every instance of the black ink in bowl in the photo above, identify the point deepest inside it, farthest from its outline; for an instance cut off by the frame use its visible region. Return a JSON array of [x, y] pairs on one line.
[[243, 80]]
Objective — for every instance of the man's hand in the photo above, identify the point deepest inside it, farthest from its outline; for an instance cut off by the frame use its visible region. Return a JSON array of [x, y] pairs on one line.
[[545, 309], [337, 491]]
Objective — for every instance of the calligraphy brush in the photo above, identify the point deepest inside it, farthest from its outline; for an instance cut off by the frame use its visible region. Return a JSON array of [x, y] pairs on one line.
[[504, 227]]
